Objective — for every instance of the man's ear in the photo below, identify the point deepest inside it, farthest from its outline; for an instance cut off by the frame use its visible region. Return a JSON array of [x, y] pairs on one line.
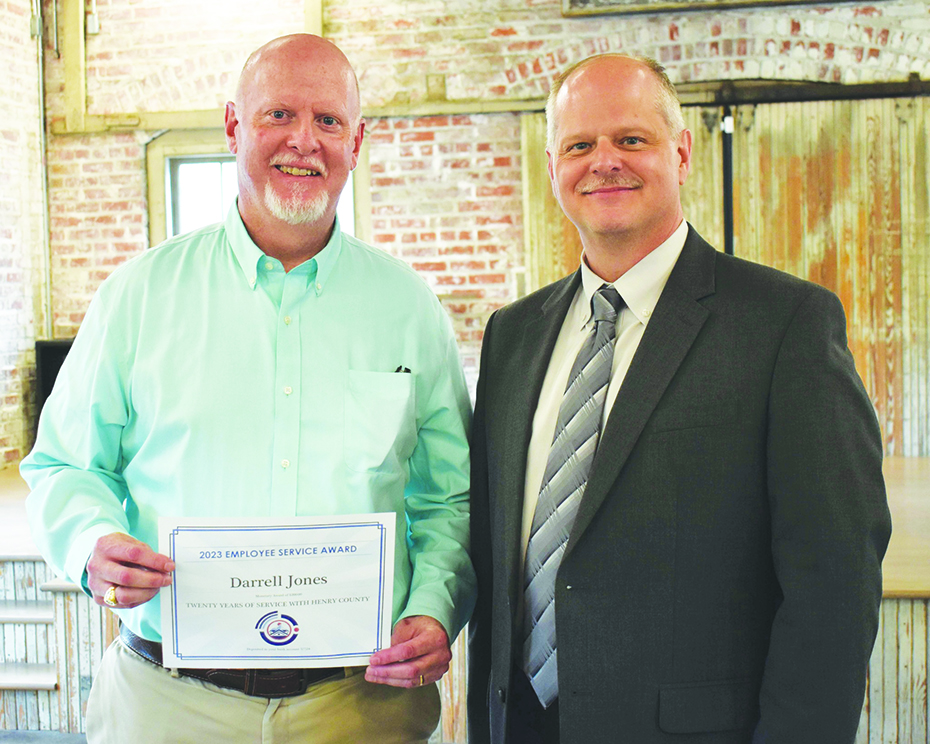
[[230, 124], [549, 167], [359, 136], [684, 152]]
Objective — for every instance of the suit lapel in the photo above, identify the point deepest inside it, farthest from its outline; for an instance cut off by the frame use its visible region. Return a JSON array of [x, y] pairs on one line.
[[531, 353], [675, 324]]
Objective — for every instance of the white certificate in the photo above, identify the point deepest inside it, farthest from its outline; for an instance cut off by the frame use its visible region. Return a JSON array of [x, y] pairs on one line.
[[277, 593]]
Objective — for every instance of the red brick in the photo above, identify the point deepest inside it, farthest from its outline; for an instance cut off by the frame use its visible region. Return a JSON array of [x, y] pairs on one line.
[[431, 121], [495, 191], [487, 278], [468, 266], [417, 136]]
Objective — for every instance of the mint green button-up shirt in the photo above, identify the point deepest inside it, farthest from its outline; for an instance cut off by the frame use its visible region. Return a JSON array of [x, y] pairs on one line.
[[206, 381]]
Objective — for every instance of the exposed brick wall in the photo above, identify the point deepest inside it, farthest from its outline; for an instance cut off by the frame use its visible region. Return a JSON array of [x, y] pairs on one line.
[[173, 55], [446, 198], [20, 227], [511, 49], [97, 216], [445, 190]]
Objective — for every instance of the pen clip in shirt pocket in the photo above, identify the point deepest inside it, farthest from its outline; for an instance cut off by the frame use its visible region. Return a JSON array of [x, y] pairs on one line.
[[380, 421]]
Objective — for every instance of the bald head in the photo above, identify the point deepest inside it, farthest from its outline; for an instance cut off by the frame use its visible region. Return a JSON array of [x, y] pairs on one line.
[[299, 50], [296, 130], [666, 98]]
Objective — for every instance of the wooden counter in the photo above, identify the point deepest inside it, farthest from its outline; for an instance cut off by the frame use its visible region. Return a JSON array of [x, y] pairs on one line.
[[906, 567]]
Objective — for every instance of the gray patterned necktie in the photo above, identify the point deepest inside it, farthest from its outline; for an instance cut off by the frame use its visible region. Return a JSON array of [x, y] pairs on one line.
[[570, 457]]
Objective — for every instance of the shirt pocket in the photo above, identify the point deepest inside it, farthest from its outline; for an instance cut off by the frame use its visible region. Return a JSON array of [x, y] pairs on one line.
[[380, 421]]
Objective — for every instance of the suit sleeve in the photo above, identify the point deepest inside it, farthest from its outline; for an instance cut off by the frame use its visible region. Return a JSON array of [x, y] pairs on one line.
[[830, 527], [479, 629]]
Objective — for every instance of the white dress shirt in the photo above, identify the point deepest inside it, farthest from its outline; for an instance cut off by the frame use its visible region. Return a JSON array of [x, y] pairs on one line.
[[640, 288]]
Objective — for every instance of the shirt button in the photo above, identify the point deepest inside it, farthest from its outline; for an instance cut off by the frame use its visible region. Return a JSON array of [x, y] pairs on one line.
[[285, 463], [269, 265], [287, 320], [288, 390], [318, 286]]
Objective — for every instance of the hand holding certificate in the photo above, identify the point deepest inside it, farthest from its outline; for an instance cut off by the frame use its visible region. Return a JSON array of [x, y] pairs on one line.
[[275, 593]]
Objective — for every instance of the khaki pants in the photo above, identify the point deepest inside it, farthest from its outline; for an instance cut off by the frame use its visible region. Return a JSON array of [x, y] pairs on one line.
[[136, 702]]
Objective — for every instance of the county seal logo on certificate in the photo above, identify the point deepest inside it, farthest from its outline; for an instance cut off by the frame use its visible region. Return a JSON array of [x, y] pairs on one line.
[[277, 593]]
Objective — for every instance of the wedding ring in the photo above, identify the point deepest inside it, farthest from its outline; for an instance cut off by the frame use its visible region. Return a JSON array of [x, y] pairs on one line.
[[422, 681], [109, 598]]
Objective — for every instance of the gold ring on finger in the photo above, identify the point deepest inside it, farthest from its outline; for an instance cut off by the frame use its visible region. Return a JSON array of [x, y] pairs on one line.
[[422, 681], [109, 598]]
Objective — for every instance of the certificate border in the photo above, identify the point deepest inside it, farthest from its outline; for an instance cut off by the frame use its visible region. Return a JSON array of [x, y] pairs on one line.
[[285, 528]]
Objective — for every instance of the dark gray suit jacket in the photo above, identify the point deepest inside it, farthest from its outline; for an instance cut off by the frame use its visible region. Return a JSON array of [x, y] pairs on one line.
[[723, 576]]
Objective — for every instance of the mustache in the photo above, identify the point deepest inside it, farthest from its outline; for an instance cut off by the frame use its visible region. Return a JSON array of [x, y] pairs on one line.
[[606, 183], [305, 164]]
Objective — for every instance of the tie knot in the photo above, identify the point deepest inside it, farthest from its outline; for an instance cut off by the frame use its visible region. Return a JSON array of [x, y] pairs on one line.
[[606, 303]]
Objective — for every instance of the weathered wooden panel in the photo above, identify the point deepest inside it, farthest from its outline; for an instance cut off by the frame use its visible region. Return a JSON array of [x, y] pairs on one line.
[[895, 710], [74, 645], [452, 692], [551, 245], [914, 154], [702, 194], [837, 192]]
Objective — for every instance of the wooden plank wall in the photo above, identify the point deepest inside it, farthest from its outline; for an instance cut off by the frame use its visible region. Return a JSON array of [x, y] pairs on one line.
[[895, 709], [837, 192], [702, 194], [452, 726], [551, 245], [74, 644], [20, 580]]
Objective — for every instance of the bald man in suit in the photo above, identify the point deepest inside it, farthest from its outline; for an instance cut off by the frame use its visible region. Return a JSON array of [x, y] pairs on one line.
[[713, 572]]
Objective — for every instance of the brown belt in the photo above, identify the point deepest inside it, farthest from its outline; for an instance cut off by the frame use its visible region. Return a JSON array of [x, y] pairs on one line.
[[266, 683]]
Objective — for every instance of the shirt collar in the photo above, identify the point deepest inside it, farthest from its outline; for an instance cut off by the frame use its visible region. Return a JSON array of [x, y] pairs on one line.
[[642, 285], [248, 254]]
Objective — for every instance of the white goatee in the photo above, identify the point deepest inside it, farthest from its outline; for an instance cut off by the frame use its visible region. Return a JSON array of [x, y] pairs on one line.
[[296, 210]]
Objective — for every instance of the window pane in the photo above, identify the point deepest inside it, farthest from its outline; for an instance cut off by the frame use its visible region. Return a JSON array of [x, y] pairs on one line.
[[230, 185], [345, 209], [200, 197], [203, 188]]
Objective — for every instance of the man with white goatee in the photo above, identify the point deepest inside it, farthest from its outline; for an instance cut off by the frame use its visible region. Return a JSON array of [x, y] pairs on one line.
[[267, 366]]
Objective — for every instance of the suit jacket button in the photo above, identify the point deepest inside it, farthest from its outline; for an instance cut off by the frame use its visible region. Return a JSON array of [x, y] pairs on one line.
[[502, 694]]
